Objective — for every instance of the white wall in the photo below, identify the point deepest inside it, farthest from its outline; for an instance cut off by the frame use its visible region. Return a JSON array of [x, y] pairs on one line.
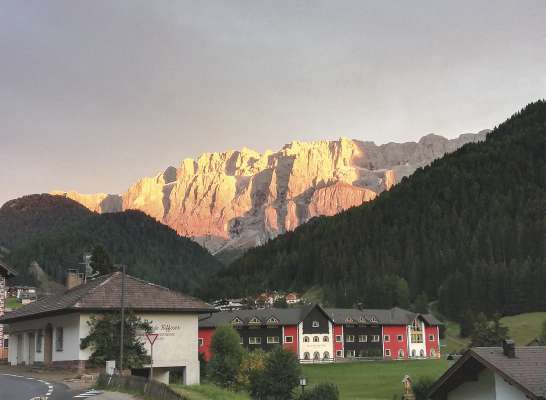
[[505, 391], [482, 389], [321, 346], [71, 338]]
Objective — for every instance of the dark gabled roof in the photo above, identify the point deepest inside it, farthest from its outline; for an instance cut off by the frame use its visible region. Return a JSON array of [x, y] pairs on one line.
[[527, 371], [6, 270], [104, 294], [393, 316], [285, 316]]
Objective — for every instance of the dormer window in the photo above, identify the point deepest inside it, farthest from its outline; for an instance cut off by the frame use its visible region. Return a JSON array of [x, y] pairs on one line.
[[254, 321], [316, 324], [362, 320], [236, 321], [349, 320], [272, 321], [373, 320]]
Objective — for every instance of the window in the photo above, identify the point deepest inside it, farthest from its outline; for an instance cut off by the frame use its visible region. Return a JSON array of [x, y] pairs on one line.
[[387, 352], [433, 353], [273, 339], [400, 338], [362, 338], [362, 320], [39, 340], [325, 339], [241, 340], [326, 355], [413, 353], [373, 320], [316, 356], [338, 338], [306, 356], [316, 339], [288, 339], [417, 338], [236, 321], [272, 321], [200, 342], [350, 338], [400, 353], [387, 338], [350, 353], [376, 338], [254, 340], [59, 340], [306, 339], [431, 338], [339, 353], [254, 321], [316, 324], [422, 353]]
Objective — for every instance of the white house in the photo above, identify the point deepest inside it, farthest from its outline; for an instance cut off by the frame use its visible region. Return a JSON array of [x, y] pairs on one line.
[[50, 330], [495, 373]]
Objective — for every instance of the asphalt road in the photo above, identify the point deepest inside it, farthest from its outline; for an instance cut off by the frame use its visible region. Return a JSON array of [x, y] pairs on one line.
[[18, 387]]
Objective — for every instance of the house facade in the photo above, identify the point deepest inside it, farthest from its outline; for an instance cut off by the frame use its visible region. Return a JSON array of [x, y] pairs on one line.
[[5, 272], [316, 334], [495, 373], [49, 332]]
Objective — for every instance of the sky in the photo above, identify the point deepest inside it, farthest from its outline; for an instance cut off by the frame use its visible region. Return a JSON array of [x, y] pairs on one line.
[[96, 94]]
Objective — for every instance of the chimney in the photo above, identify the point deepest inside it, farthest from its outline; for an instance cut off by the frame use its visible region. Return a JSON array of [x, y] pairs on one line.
[[73, 279], [509, 348]]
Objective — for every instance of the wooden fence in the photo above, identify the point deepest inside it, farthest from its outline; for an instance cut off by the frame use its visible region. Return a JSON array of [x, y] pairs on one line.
[[154, 390]]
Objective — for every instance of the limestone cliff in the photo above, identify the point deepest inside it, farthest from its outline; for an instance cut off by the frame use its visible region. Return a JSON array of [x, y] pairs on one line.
[[239, 199]]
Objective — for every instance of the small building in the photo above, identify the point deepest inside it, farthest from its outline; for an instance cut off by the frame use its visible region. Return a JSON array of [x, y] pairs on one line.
[[292, 298], [495, 373], [5, 272], [49, 331]]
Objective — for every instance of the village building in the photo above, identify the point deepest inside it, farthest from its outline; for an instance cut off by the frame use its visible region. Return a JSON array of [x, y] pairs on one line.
[[5, 272], [495, 373], [321, 335], [49, 331]]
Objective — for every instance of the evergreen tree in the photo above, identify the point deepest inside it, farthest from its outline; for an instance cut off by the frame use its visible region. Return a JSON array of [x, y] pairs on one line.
[[278, 379], [100, 261], [488, 333], [104, 340], [227, 356], [421, 304]]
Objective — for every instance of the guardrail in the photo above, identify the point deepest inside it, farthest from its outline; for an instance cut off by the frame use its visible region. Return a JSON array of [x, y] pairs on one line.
[[154, 390]]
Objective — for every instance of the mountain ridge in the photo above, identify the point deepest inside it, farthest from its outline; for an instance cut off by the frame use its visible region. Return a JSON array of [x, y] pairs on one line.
[[238, 199]]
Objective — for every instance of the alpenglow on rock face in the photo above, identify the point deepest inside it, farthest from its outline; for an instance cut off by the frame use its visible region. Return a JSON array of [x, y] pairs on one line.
[[240, 199]]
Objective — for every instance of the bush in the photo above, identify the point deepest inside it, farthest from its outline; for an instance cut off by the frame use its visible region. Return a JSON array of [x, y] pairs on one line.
[[253, 362], [227, 355], [279, 377], [323, 391], [421, 388]]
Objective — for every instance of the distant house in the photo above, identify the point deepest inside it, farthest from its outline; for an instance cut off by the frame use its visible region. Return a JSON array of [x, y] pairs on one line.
[[292, 298], [49, 331], [495, 373], [5, 272]]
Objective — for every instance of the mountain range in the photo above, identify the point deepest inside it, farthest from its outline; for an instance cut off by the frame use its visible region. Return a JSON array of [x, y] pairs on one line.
[[235, 200], [469, 230]]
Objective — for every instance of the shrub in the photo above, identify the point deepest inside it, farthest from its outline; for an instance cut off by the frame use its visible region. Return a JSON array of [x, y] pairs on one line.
[[253, 362], [323, 391], [421, 388], [279, 377]]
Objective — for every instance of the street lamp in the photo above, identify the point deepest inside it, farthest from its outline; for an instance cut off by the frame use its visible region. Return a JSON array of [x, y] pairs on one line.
[[303, 383]]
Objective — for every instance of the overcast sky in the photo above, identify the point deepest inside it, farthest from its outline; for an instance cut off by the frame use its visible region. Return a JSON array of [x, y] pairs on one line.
[[95, 94]]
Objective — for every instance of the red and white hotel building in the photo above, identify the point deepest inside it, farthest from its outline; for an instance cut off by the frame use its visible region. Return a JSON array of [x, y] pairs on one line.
[[316, 334]]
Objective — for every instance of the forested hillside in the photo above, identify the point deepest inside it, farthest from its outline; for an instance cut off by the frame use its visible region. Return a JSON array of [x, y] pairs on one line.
[[470, 230], [55, 232]]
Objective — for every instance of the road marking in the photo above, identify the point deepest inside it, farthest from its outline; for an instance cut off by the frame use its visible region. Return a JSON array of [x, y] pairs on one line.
[[87, 394]]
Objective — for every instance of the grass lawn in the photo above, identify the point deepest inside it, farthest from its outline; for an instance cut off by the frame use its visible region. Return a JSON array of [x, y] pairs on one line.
[[208, 392], [13, 303], [372, 379]]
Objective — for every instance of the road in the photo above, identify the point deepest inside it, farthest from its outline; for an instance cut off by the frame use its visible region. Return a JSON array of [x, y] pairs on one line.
[[18, 387]]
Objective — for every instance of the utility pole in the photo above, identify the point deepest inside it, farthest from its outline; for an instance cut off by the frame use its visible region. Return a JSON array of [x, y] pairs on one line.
[[122, 342]]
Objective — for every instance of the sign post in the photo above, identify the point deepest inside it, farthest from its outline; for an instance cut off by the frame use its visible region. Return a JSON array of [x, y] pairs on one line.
[[152, 338]]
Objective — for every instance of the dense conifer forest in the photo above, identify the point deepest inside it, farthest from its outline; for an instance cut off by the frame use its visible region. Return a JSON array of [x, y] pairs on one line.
[[469, 230], [56, 232]]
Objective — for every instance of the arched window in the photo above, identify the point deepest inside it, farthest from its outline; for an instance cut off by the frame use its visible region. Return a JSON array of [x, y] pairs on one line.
[[325, 339], [326, 356], [306, 339], [422, 353], [413, 354], [316, 339], [432, 353], [316, 356], [400, 353], [306, 356]]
